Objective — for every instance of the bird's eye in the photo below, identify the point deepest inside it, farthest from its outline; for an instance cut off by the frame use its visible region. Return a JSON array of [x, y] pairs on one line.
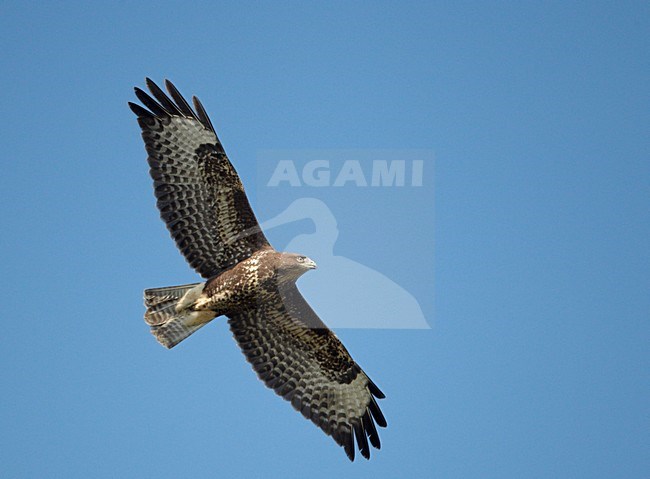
[[301, 259]]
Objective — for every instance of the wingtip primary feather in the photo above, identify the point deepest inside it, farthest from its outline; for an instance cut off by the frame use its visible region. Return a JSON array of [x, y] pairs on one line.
[[376, 413], [162, 98], [180, 100], [203, 116], [139, 111], [362, 439], [348, 444], [371, 430], [374, 389], [161, 105], [156, 108]]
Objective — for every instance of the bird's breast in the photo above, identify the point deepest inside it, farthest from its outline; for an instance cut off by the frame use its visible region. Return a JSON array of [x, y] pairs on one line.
[[241, 287]]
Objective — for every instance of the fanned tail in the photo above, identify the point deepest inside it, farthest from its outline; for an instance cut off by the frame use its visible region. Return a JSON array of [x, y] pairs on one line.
[[170, 315]]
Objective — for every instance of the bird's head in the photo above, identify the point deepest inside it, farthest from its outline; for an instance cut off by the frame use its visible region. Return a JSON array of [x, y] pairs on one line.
[[293, 265]]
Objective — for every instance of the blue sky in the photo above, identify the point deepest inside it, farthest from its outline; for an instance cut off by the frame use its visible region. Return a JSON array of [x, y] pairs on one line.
[[526, 247]]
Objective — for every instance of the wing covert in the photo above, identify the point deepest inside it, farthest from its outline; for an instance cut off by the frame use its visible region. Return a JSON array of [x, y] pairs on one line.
[[199, 194], [297, 356]]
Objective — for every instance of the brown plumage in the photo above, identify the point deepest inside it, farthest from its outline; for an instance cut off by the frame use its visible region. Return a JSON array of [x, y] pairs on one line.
[[202, 201]]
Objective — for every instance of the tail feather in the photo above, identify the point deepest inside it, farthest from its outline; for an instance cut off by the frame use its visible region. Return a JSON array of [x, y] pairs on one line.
[[161, 302], [172, 333], [168, 315]]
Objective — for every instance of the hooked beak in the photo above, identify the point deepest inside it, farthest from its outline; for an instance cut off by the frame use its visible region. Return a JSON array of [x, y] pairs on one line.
[[310, 264]]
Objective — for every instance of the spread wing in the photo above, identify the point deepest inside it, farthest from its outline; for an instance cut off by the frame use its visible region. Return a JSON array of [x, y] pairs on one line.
[[297, 356], [199, 194]]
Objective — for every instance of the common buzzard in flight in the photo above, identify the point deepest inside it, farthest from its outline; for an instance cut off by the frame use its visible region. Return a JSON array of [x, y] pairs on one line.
[[202, 201]]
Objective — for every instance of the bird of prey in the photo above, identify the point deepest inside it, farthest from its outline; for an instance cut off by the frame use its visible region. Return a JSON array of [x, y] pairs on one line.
[[203, 204]]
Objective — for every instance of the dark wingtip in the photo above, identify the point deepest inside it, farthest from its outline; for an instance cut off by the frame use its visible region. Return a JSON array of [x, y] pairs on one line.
[[161, 105], [150, 103], [180, 101], [203, 116], [362, 439], [148, 81], [371, 430], [376, 413], [139, 111], [375, 390], [348, 445], [162, 98]]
